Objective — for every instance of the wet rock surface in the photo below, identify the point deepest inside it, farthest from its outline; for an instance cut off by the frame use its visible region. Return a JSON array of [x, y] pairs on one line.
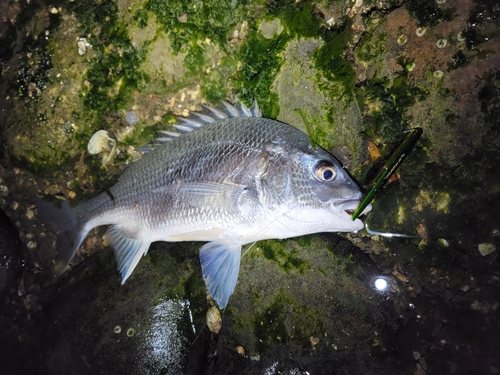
[[352, 75], [96, 325], [10, 254]]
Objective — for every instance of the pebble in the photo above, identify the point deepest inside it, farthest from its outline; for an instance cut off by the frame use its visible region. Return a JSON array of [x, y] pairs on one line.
[[4, 191], [486, 248], [214, 320], [240, 350], [314, 341]]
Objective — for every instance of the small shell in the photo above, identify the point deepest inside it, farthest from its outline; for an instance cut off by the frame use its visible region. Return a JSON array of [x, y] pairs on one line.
[[420, 31], [402, 39], [441, 43], [83, 45], [438, 74], [100, 142]]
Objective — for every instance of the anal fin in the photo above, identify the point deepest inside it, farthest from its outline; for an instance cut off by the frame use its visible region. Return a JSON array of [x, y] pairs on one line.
[[220, 263], [128, 251]]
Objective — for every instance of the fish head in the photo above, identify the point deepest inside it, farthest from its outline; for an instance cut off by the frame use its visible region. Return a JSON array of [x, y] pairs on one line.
[[329, 195]]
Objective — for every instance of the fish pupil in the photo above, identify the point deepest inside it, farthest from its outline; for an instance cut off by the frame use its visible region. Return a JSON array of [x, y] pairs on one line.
[[327, 175], [325, 171]]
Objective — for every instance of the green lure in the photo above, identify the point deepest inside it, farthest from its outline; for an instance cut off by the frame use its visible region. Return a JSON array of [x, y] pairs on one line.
[[389, 168]]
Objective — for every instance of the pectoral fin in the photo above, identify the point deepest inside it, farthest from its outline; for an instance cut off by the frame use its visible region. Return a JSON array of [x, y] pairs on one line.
[[203, 194], [220, 263], [128, 250]]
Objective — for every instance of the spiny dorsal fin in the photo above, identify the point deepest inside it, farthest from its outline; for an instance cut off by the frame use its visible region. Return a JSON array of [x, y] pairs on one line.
[[189, 123]]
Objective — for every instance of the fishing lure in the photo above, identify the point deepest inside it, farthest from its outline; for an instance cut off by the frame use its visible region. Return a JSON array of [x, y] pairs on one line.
[[389, 168]]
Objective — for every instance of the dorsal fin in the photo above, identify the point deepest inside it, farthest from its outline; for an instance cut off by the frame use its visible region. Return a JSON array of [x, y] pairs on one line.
[[214, 114], [198, 119]]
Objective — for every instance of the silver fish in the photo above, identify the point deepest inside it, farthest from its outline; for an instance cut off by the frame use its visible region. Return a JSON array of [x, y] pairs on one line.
[[228, 181]]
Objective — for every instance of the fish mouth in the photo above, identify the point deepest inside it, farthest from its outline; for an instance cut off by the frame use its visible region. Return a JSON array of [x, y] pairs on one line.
[[347, 207]]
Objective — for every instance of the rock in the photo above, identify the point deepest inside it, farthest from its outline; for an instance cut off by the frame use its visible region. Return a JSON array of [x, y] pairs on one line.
[[95, 324], [10, 254]]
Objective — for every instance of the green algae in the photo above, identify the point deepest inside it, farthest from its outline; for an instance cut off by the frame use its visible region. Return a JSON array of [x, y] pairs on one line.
[[202, 19], [283, 320], [299, 18], [61, 121], [386, 104], [114, 70], [330, 61], [191, 28], [141, 16], [254, 80], [214, 88], [317, 135], [285, 254], [371, 46]]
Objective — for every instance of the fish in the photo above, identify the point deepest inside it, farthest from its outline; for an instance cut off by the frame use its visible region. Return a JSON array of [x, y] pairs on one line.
[[227, 178]]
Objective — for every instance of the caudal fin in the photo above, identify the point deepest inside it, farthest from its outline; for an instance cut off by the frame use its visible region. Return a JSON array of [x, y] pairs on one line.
[[62, 220]]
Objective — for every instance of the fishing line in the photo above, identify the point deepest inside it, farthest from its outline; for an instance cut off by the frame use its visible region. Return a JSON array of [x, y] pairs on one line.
[[386, 234], [267, 227]]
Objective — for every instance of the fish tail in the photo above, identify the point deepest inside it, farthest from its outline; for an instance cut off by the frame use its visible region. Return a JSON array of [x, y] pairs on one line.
[[63, 221]]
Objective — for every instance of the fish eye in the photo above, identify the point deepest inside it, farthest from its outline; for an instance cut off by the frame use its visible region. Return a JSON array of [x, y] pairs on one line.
[[325, 171]]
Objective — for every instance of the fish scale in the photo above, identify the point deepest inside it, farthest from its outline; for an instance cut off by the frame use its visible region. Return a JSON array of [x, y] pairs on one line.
[[227, 181]]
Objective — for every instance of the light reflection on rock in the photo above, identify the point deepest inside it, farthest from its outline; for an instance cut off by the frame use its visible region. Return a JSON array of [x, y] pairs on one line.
[[164, 343]]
